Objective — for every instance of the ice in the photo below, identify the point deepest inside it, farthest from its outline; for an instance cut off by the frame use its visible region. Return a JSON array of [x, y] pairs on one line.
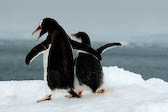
[[125, 91]]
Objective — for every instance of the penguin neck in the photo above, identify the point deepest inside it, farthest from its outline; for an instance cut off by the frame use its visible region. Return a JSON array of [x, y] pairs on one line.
[[86, 40], [57, 30], [56, 35]]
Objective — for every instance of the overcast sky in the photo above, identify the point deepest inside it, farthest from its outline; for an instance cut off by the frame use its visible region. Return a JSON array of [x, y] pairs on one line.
[[103, 20]]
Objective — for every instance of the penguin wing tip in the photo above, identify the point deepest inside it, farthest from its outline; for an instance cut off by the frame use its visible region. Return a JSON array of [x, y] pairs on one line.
[[119, 44], [27, 61]]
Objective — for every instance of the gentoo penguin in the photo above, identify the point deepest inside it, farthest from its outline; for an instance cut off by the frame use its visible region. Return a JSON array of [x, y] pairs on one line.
[[88, 68], [59, 72]]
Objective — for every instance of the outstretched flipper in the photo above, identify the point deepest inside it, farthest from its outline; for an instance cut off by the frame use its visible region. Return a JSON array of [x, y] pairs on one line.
[[107, 46], [84, 47], [40, 48], [36, 51], [85, 40]]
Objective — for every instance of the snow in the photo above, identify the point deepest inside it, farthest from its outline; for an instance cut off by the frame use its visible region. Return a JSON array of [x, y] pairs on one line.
[[124, 92]]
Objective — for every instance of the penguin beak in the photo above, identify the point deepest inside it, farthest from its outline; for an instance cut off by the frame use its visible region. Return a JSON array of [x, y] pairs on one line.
[[38, 29], [73, 35], [41, 33]]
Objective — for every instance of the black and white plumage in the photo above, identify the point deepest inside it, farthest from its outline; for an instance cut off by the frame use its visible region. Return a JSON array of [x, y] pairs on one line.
[[59, 71], [88, 68]]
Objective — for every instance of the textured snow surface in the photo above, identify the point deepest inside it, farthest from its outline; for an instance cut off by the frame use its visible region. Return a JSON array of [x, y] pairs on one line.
[[124, 92]]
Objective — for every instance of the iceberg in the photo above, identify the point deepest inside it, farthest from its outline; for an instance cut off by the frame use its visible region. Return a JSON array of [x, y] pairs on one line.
[[125, 91]]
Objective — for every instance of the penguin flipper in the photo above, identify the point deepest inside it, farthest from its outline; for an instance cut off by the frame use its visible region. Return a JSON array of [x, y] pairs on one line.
[[36, 51], [107, 46], [84, 47]]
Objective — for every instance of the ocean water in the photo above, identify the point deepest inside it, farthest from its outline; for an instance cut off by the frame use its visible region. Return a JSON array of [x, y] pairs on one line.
[[149, 61]]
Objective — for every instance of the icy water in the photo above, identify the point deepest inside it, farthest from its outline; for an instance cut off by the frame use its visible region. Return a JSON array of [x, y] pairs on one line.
[[149, 61]]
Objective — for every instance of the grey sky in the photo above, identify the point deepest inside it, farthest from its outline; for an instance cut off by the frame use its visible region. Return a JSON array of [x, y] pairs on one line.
[[103, 20]]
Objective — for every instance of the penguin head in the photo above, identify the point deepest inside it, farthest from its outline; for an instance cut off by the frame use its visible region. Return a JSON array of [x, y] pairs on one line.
[[46, 25], [83, 36], [80, 35]]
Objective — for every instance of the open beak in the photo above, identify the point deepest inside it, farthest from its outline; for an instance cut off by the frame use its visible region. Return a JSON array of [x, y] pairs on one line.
[[73, 35], [38, 29]]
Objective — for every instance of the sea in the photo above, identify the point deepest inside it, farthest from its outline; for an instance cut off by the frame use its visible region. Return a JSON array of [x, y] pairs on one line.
[[148, 60]]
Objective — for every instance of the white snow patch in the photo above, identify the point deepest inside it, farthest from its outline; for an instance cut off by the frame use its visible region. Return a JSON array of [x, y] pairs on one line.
[[124, 92]]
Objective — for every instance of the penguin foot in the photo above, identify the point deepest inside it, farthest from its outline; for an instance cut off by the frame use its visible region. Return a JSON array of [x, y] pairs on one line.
[[100, 91], [69, 96], [73, 94], [79, 93], [48, 97]]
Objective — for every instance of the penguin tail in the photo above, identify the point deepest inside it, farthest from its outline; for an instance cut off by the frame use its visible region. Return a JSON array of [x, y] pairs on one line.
[[107, 46]]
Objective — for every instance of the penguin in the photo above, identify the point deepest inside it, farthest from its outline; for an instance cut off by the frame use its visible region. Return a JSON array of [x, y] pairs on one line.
[[88, 68], [59, 65]]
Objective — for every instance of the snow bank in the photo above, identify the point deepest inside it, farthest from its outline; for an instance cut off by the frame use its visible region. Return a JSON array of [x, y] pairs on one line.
[[125, 92]]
